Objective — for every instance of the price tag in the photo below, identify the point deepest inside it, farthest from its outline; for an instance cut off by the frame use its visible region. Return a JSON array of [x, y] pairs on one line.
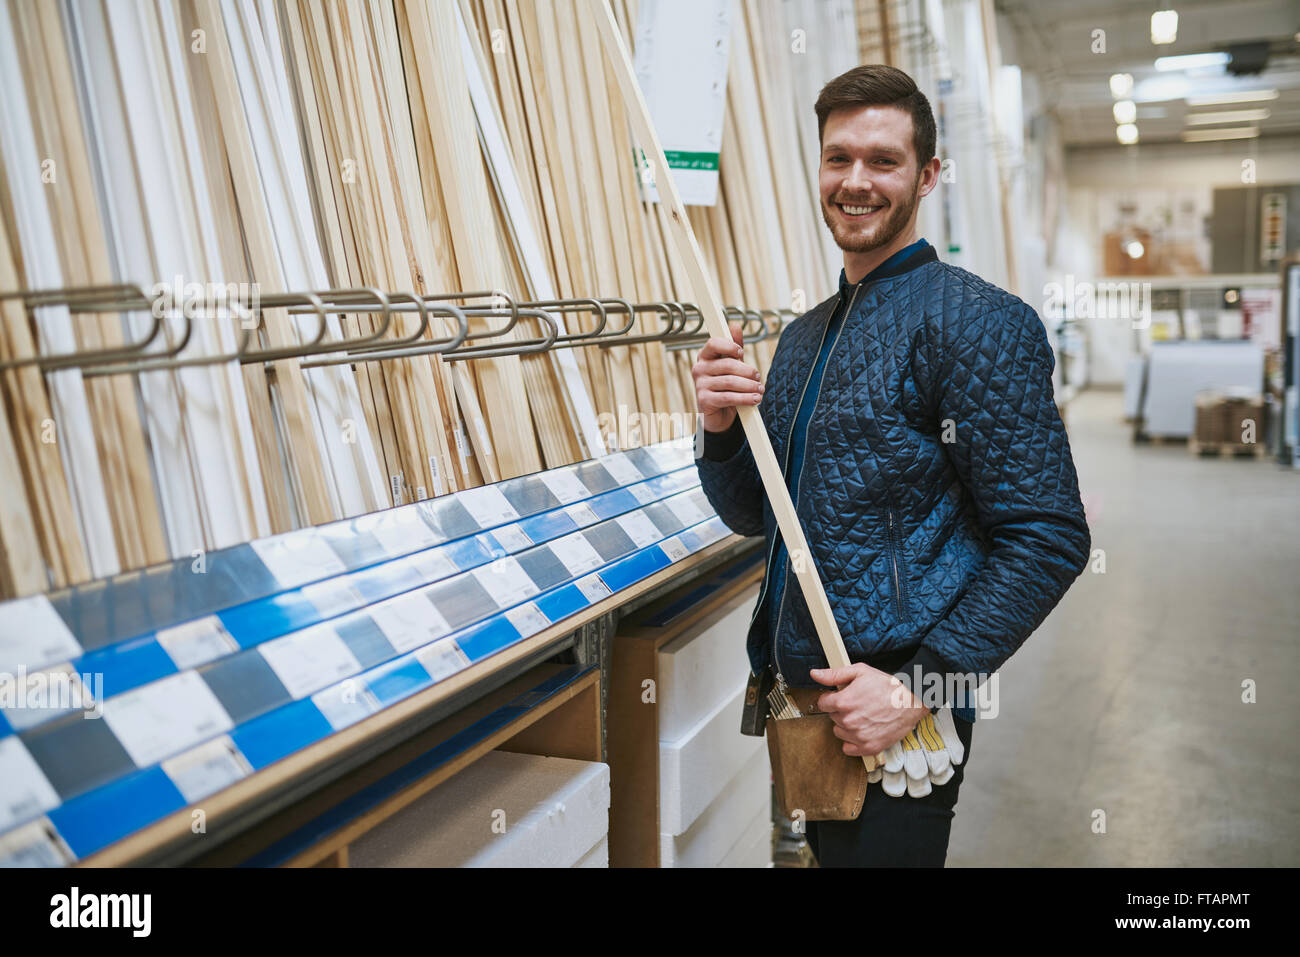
[[308, 660], [643, 493], [402, 533], [684, 507], [674, 549], [512, 538], [667, 457], [33, 635], [165, 717], [442, 659], [506, 581], [576, 553], [439, 484], [298, 557], [345, 703], [31, 697], [433, 565], [409, 621], [207, 769], [565, 485], [488, 506], [639, 528], [35, 844], [197, 642], [24, 790], [581, 514], [621, 468], [527, 619], [333, 597], [593, 589]]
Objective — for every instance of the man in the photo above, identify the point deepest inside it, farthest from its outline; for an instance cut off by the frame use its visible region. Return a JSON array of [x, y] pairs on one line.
[[914, 418]]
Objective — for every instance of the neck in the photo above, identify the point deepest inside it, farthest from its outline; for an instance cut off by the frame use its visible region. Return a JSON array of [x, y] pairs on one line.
[[857, 265]]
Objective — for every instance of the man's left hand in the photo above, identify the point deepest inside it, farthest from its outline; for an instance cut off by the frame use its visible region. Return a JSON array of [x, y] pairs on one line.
[[872, 710]]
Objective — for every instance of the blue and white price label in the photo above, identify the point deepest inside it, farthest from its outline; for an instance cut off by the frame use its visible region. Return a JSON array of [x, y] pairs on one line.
[[527, 619], [308, 660], [582, 514], [433, 565], [639, 528], [165, 717], [24, 790], [298, 557], [333, 597], [207, 769], [442, 659], [35, 844], [674, 548], [409, 621], [576, 553], [593, 589], [33, 635], [622, 469], [506, 581], [565, 486], [512, 538], [196, 642], [643, 493], [686, 509], [402, 532], [487, 505], [346, 703]]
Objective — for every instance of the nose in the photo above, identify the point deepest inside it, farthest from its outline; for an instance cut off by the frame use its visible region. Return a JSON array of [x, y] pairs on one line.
[[857, 179]]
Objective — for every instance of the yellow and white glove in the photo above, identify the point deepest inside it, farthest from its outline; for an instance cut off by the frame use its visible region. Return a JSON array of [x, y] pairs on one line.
[[925, 757]]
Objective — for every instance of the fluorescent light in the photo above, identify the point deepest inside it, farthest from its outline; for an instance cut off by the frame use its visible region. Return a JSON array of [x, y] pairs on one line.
[[1121, 85], [1233, 133], [1226, 116], [1126, 133], [1134, 249], [1164, 26], [1225, 99], [1190, 61], [1125, 111]]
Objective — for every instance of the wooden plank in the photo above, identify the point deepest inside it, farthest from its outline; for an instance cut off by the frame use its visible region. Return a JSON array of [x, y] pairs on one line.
[[706, 296]]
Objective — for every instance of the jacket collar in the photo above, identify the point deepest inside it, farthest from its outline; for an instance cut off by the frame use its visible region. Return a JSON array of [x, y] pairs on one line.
[[905, 260]]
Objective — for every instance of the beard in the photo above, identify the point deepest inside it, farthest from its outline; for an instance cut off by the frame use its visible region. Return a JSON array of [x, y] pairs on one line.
[[864, 239]]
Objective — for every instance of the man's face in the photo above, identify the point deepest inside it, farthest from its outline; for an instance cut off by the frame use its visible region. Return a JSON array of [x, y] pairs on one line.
[[869, 179]]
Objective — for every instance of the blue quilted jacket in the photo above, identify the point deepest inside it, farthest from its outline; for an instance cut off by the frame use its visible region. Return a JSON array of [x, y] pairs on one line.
[[937, 491]]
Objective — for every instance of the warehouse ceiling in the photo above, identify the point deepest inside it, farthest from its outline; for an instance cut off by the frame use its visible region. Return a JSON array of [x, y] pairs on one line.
[[1056, 39]]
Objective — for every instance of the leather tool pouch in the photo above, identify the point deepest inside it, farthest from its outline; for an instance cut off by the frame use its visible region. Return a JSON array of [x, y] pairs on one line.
[[811, 772]]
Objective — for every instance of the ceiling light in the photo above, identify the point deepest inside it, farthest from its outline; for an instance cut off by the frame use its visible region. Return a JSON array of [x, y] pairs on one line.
[[1226, 116], [1234, 133], [1121, 85], [1224, 99], [1125, 111], [1127, 133], [1190, 61], [1164, 26], [1134, 249]]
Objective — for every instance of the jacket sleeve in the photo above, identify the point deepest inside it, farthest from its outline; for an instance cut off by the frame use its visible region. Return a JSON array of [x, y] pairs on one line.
[[730, 479], [988, 380]]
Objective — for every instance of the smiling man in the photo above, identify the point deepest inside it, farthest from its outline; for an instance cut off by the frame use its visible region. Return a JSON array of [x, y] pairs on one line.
[[914, 417]]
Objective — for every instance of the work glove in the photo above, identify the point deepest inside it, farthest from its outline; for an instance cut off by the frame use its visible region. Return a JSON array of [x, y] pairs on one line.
[[925, 757]]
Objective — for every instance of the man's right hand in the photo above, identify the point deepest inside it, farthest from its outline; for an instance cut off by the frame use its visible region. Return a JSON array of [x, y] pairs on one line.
[[723, 381]]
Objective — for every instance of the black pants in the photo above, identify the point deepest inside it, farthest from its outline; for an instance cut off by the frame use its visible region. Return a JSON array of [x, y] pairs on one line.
[[894, 832]]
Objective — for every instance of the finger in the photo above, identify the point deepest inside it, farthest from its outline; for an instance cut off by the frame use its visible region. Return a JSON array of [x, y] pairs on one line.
[[729, 383], [719, 347], [833, 677], [737, 333], [725, 366], [714, 401]]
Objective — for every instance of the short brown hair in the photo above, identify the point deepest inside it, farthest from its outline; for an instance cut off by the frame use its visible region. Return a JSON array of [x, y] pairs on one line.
[[875, 84]]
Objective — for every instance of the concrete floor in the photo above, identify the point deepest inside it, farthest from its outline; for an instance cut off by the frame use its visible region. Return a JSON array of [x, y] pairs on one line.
[[1128, 700]]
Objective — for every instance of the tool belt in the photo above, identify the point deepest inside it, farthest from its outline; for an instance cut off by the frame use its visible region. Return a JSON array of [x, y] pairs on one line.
[[812, 775]]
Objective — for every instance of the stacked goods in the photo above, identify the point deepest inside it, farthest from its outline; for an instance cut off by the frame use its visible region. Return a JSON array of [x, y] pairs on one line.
[[416, 148], [1228, 424]]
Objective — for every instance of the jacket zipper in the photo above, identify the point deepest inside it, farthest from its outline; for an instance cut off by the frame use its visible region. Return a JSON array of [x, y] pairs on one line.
[[785, 590], [771, 551], [893, 557]]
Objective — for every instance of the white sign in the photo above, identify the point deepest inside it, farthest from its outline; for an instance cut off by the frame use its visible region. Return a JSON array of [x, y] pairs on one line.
[[207, 769], [409, 621], [487, 505], [506, 581], [298, 557], [197, 642], [639, 528], [442, 659], [620, 466], [165, 717], [24, 790], [565, 486], [308, 660], [576, 553], [33, 635]]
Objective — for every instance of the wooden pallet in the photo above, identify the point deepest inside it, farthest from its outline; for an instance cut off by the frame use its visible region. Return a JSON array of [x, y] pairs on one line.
[[1227, 450]]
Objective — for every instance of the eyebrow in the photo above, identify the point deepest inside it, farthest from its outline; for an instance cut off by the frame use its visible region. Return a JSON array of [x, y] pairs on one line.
[[887, 150]]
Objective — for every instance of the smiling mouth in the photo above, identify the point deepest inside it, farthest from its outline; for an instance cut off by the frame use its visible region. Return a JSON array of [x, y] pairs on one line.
[[858, 212]]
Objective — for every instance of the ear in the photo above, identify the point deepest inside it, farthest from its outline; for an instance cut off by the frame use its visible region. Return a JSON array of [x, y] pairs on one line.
[[929, 176]]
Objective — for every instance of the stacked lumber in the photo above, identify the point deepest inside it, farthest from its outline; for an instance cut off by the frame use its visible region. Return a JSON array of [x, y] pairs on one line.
[[413, 147]]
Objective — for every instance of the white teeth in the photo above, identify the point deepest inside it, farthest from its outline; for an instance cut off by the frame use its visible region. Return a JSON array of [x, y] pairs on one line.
[[858, 210]]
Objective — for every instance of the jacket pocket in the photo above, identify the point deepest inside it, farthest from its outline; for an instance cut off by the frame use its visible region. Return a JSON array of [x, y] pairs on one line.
[[898, 566]]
